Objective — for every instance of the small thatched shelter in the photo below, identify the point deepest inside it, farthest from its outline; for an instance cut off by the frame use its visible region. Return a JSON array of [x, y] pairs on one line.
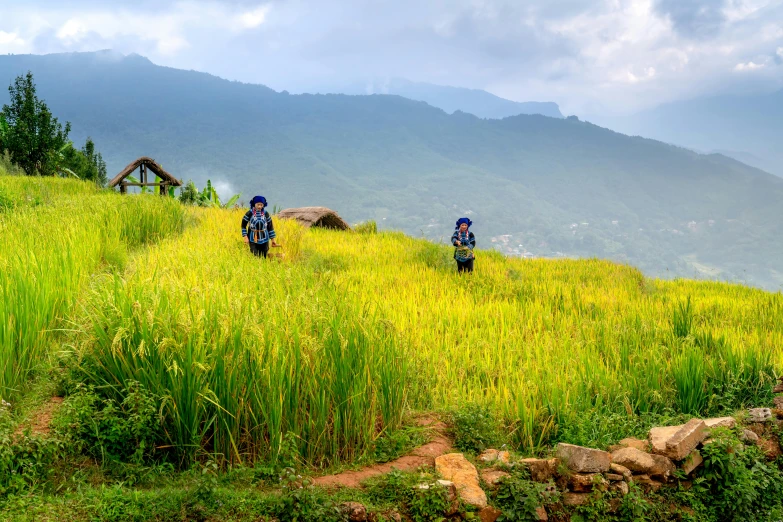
[[145, 164], [315, 217]]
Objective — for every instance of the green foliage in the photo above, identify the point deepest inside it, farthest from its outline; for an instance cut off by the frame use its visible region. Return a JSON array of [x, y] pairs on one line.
[[418, 495], [25, 459], [600, 428], [366, 227], [86, 164], [518, 497], [395, 444], [208, 197], [109, 431], [736, 483], [32, 135], [301, 502], [474, 428]]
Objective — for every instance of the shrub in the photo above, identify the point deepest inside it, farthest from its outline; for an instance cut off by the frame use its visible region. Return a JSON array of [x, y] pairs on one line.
[[474, 428]]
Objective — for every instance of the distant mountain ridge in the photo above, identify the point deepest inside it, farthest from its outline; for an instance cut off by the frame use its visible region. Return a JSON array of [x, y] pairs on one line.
[[452, 99], [747, 127], [533, 185]]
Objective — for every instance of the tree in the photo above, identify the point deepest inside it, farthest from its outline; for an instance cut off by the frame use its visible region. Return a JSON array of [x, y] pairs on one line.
[[33, 136]]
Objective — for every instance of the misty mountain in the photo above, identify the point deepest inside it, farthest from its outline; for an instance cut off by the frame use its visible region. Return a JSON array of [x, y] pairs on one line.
[[748, 128], [451, 99], [533, 185]]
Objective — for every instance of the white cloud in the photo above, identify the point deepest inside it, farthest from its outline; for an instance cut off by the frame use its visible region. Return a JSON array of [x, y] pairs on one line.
[[749, 66], [10, 42], [780, 52], [254, 18]]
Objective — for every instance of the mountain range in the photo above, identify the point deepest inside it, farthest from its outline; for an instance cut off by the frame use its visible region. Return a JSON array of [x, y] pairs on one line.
[[451, 99], [533, 185]]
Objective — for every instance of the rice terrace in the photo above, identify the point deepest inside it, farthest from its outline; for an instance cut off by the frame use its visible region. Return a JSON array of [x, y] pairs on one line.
[[410, 312]]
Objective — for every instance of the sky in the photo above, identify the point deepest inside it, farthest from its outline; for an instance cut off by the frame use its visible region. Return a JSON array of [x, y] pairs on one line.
[[589, 56]]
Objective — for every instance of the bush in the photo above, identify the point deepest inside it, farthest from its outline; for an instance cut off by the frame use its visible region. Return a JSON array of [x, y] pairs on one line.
[[474, 428], [366, 227], [125, 432], [518, 497]]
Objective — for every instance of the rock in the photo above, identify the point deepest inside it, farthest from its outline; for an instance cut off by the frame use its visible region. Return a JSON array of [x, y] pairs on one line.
[[686, 439], [622, 487], [691, 462], [647, 483], [490, 455], [354, 511], [493, 476], [660, 435], [575, 499], [614, 477], [504, 457], [541, 514], [778, 401], [583, 460], [778, 388], [720, 422], [749, 437], [642, 445], [770, 447], [489, 514], [641, 462], [451, 496], [584, 482], [759, 415], [621, 470], [456, 468], [541, 470]]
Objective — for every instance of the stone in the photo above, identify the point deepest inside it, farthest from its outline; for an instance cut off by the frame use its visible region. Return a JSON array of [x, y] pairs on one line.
[[489, 514], [641, 462], [575, 499], [541, 470], [660, 435], [354, 511], [451, 496], [686, 439], [614, 477], [771, 448], [541, 514], [759, 415], [622, 487], [642, 445], [621, 470], [456, 468], [778, 388], [749, 436], [691, 462], [490, 455], [647, 483], [493, 476], [584, 482], [720, 422], [583, 460], [504, 457]]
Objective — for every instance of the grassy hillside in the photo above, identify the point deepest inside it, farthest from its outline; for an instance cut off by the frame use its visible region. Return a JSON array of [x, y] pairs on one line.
[[545, 186], [176, 348]]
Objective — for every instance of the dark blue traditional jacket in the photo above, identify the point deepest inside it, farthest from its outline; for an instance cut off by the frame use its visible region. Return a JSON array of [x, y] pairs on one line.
[[468, 240], [258, 226]]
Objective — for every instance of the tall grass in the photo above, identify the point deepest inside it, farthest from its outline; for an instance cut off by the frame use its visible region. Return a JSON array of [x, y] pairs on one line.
[[335, 343], [55, 233]]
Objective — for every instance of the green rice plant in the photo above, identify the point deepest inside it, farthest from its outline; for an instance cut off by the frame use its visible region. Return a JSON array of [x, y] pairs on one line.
[[690, 378]]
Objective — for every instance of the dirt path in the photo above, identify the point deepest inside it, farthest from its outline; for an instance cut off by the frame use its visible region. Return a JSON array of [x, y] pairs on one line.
[[40, 422], [421, 456]]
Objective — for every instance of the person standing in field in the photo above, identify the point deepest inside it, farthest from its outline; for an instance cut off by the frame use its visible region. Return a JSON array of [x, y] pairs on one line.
[[464, 241], [257, 227]]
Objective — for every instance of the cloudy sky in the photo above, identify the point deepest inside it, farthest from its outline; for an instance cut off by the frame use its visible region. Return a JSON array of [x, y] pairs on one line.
[[590, 56]]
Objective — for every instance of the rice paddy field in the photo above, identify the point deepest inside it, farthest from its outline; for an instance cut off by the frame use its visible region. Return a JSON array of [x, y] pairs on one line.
[[350, 332]]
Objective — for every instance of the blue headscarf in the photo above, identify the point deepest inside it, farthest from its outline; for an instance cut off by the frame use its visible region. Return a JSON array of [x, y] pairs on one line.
[[461, 221], [257, 199]]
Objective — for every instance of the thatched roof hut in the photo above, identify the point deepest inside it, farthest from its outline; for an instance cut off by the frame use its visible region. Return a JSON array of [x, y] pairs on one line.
[[145, 164], [315, 217]]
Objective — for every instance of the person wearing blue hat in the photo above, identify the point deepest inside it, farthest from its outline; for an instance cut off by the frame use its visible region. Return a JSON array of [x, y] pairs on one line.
[[257, 227], [464, 242]]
